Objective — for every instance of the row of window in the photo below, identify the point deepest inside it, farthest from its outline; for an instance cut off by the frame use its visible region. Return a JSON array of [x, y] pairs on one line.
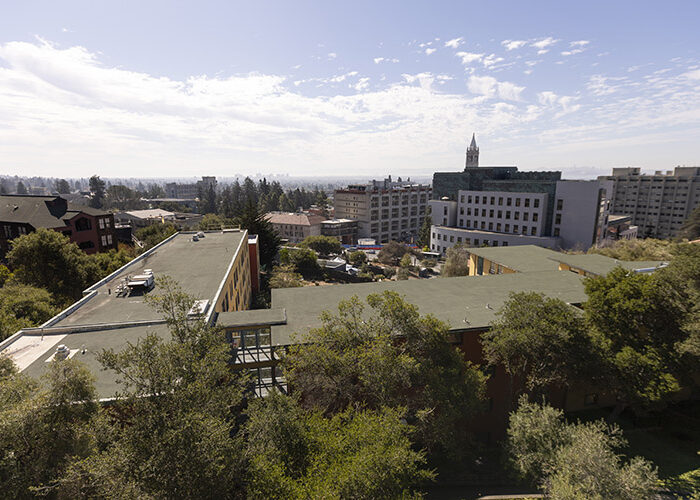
[[508, 200], [498, 227], [468, 241], [499, 214]]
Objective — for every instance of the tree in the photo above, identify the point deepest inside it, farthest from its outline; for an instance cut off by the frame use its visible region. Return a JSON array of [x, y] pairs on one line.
[[62, 186], [122, 197], [211, 222], [406, 261], [5, 275], [208, 201], [424, 231], [691, 227], [392, 252], [285, 277], [257, 223], [175, 418], [21, 189], [540, 341], [285, 204], [323, 245], [97, 188], [303, 260], [47, 259], [637, 249], [155, 233], [22, 306], [389, 357], [572, 461], [355, 454], [42, 426], [357, 258], [636, 326], [457, 262]]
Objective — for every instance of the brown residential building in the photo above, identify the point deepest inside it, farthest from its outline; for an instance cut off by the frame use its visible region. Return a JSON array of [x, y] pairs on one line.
[[294, 227], [91, 229]]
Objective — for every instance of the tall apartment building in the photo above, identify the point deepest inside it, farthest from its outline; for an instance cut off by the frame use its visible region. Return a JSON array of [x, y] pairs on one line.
[[499, 206], [659, 203], [384, 210], [189, 191]]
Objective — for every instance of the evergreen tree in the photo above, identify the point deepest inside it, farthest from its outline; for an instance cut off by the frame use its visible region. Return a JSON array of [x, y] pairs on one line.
[[21, 188], [424, 231], [691, 227], [255, 222], [250, 191], [97, 188], [62, 186]]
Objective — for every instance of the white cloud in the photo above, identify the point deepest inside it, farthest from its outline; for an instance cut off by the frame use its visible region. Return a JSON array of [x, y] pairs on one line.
[[429, 51], [469, 57], [544, 43], [378, 60], [332, 55], [488, 86], [579, 43], [571, 52], [513, 44], [455, 42], [491, 60], [692, 75], [362, 84]]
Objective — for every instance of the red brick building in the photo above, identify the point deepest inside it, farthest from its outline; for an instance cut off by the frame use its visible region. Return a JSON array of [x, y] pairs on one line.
[[90, 228]]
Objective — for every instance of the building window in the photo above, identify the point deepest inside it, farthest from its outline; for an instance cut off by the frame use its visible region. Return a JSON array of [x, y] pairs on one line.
[[461, 199], [516, 215], [560, 204], [490, 213], [476, 242], [527, 202], [498, 227], [500, 200], [461, 222], [22, 230], [452, 239], [86, 244], [490, 226], [444, 211], [524, 229], [102, 223], [8, 231], [483, 212], [533, 230], [469, 199], [439, 237], [461, 210], [509, 201], [109, 239], [557, 219], [483, 225], [515, 228], [459, 239], [534, 217], [495, 243], [493, 200], [483, 200], [83, 224], [556, 231], [469, 211], [517, 202], [537, 202], [526, 216], [505, 244], [507, 228]]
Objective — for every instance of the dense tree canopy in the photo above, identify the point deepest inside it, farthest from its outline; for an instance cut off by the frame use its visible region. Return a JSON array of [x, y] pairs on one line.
[[389, 356], [155, 233], [392, 252], [97, 188], [22, 306], [256, 222], [457, 261], [572, 461], [323, 245], [691, 227]]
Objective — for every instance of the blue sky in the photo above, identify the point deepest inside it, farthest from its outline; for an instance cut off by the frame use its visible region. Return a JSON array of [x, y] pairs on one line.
[[155, 88]]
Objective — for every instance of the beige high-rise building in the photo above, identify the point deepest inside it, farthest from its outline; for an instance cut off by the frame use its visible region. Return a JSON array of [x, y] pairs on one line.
[[384, 210], [660, 203]]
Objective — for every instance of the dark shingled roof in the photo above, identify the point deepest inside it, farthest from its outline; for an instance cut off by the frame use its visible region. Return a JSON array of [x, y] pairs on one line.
[[41, 211]]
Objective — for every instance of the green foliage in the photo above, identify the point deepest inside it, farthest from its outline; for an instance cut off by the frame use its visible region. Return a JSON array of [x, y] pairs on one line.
[[22, 306], [5, 275], [403, 274], [457, 262], [637, 326], [357, 258], [303, 260], [354, 454], [175, 435], [47, 259], [123, 198], [110, 261], [424, 231], [691, 227], [155, 233], [389, 357], [256, 222], [212, 222], [21, 188], [285, 276], [429, 263], [392, 252], [539, 341], [97, 188], [42, 426], [322, 245], [574, 461], [406, 261], [637, 249], [62, 186]]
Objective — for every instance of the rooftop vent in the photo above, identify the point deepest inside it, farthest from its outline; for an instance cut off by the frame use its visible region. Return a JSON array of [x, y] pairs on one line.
[[199, 308], [62, 352]]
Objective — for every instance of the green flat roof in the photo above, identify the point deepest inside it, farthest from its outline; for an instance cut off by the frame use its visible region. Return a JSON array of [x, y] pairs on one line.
[[522, 258], [198, 266], [94, 342], [468, 302], [251, 317], [600, 264]]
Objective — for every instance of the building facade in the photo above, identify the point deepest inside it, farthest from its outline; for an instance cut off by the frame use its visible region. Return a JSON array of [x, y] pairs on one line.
[[660, 203], [345, 230], [190, 191], [294, 227], [384, 210], [90, 228], [499, 206]]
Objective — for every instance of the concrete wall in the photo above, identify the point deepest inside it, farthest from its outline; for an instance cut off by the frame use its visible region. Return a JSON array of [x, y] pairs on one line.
[[583, 216], [442, 238]]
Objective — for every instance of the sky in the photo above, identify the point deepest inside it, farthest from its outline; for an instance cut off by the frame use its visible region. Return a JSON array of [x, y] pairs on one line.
[[347, 88]]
